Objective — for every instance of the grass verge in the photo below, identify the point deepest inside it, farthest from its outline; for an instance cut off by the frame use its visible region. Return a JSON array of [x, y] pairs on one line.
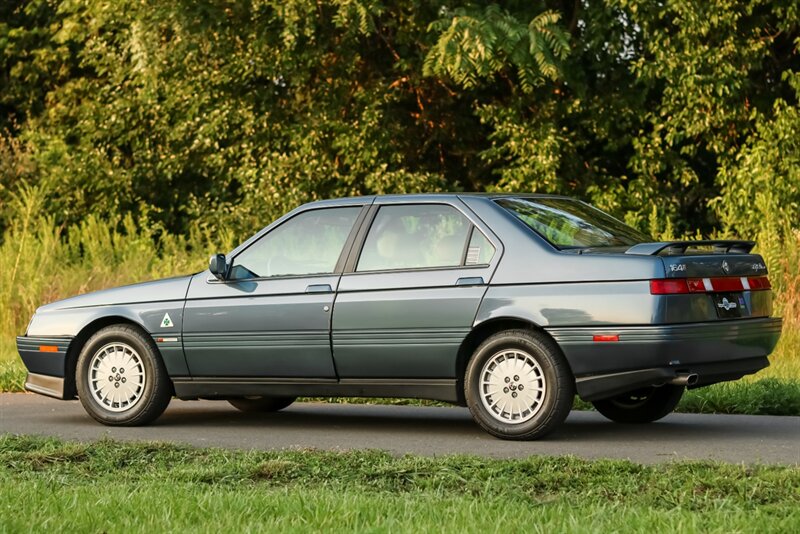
[[767, 396], [110, 486]]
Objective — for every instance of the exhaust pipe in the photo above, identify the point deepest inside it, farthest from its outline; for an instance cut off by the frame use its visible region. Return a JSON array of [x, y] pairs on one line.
[[688, 379]]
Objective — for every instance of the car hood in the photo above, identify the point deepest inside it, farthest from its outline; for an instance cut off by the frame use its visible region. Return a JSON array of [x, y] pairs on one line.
[[155, 291]]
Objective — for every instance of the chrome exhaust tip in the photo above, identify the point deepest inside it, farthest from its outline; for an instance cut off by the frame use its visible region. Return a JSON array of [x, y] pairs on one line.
[[688, 379]]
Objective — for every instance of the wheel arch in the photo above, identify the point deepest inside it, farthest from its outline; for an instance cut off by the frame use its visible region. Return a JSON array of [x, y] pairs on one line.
[[78, 342], [484, 330]]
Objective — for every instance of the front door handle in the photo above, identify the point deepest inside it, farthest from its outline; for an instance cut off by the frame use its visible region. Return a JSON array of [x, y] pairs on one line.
[[319, 288], [470, 281]]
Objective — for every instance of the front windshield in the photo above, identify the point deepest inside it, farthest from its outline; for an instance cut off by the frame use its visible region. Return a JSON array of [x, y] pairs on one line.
[[568, 223]]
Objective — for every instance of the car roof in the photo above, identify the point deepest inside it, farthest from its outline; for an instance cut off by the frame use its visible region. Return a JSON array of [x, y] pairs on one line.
[[428, 197]]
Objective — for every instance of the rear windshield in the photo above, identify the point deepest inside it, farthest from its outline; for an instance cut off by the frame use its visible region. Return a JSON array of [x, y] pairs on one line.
[[568, 223]]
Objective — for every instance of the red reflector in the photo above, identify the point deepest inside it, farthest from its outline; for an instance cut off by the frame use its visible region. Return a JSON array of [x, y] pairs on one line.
[[605, 337], [727, 284], [48, 348], [669, 287], [758, 283]]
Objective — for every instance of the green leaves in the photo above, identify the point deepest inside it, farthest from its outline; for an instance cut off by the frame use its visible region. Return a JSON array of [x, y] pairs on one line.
[[475, 44], [235, 111]]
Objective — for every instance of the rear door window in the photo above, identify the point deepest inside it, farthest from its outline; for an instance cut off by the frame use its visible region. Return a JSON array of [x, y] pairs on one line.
[[419, 236]]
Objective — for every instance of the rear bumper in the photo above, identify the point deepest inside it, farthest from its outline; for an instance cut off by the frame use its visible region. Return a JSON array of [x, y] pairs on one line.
[[646, 355], [46, 360]]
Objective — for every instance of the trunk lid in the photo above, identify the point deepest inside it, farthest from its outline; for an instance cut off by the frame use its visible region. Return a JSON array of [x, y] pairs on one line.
[[705, 259], [719, 275]]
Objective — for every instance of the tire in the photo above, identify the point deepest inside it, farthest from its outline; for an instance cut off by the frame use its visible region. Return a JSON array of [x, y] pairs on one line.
[[261, 404], [546, 390], [641, 406], [113, 394]]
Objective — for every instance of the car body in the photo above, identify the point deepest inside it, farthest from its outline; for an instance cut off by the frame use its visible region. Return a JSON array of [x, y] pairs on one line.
[[407, 296]]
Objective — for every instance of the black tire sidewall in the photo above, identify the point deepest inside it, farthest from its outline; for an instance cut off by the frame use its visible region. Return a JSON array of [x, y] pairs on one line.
[[151, 404], [661, 402], [557, 377]]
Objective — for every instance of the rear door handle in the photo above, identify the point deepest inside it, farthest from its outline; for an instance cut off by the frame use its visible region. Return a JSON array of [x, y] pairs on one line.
[[319, 288], [470, 281]]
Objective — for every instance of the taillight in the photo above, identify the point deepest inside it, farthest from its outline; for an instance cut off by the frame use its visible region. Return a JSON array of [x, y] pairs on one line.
[[727, 284], [672, 286], [678, 286], [759, 283], [696, 285]]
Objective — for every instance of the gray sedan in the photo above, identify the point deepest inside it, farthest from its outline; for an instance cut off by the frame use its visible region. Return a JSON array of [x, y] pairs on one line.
[[508, 304]]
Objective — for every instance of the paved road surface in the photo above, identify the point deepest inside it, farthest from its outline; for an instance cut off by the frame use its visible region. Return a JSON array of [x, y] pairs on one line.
[[427, 431]]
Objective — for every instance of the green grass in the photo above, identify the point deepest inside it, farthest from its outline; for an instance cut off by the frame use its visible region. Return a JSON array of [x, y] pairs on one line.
[[766, 396], [12, 372], [111, 487]]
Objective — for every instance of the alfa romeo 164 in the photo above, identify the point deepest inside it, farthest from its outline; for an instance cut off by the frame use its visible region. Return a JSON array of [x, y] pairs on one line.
[[508, 304]]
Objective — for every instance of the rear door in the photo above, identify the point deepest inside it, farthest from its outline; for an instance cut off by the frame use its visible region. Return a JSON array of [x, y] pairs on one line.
[[411, 289], [271, 317]]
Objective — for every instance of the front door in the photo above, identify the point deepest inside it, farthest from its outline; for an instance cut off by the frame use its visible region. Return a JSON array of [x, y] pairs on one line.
[[271, 317], [411, 297]]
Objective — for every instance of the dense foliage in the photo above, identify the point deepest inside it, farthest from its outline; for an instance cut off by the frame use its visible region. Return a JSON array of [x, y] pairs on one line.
[[233, 111], [207, 118]]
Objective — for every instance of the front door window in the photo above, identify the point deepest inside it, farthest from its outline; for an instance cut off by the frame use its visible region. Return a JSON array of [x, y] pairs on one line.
[[307, 244]]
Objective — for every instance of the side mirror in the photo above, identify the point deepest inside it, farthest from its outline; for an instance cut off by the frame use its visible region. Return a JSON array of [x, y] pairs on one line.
[[218, 266]]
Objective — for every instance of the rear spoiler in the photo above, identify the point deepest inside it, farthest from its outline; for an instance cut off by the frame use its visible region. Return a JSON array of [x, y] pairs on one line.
[[721, 246]]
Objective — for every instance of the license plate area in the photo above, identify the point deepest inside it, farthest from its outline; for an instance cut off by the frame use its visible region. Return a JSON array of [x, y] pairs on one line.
[[729, 305]]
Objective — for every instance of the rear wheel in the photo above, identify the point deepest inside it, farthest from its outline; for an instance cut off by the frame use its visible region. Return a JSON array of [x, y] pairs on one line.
[[261, 404], [641, 406], [518, 385], [120, 377]]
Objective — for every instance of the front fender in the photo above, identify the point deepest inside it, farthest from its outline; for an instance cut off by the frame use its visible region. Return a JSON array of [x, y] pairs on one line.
[[69, 322], [79, 323]]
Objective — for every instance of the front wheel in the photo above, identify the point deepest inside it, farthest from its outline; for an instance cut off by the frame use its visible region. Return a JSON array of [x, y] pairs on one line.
[[518, 385], [641, 406], [120, 377]]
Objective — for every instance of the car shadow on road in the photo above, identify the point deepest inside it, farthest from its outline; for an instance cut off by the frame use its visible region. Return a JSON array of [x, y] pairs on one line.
[[336, 418]]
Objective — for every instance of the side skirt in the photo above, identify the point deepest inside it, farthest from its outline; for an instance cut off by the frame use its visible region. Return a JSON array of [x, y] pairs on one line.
[[212, 387]]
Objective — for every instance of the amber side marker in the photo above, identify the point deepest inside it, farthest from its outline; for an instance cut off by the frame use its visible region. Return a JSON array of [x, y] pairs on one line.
[[48, 348]]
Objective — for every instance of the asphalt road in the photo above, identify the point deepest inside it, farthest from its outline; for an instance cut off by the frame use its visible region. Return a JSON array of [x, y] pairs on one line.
[[417, 430]]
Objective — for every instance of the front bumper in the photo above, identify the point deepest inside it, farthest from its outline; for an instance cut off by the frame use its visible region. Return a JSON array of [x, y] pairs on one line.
[[647, 355], [46, 360]]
